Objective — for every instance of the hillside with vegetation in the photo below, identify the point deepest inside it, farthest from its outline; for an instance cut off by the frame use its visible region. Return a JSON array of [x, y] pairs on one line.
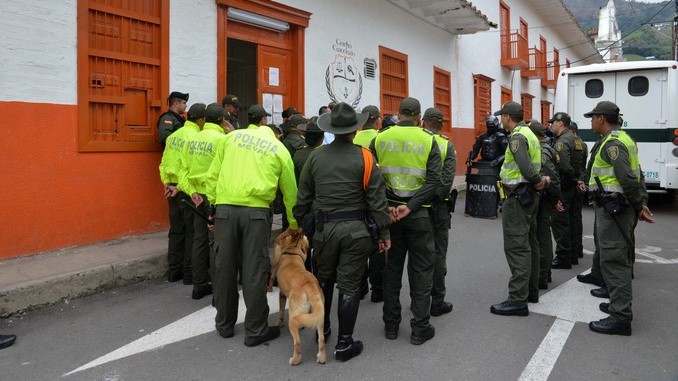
[[645, 27]]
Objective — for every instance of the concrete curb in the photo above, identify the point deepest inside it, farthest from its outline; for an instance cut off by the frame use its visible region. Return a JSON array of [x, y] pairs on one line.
[[42, 292]]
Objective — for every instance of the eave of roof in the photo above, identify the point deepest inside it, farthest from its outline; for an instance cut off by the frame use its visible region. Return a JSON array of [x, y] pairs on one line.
[[454, 16]]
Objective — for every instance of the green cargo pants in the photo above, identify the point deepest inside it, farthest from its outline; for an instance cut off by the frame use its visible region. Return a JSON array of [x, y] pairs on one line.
[[521, 248], [544, 214], [412, 236], [442, 221], [340, 254], [560, 224], [615, 261], [180, 245], [242, 236], [200, 260]]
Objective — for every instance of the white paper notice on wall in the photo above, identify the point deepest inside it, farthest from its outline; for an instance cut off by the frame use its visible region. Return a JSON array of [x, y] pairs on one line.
[[267, 102], [277, 103], [277, 118], [273, 76]]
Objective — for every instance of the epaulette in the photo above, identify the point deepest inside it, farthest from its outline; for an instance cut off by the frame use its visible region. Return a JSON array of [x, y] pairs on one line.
[[428, 132], [615, 132], [444, 137]]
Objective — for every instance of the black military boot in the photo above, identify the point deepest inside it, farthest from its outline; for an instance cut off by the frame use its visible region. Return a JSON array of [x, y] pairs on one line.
[[328, 293], [347, 310]]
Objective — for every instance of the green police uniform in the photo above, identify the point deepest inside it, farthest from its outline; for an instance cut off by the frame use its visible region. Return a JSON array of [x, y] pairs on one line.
[[442, 219], [331, 185], [300, 158], [411, 165], [616, 165], [294, 142], [549, 197], [562, 231], [168, 123], [195, 160], [576, 225], [242, 180], [520, 170], [364, 137], [180, 246]]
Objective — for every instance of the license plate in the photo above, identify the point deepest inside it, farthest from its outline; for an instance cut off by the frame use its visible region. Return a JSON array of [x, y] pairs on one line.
[[651, 175]]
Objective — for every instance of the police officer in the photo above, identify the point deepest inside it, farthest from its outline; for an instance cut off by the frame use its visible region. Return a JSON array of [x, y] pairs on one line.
[[245, 173], [294, 140], [570, 167], [332, 183], [171, 120], [369, 131], [442, 218], [180, 247], [491, 145], [388, 121], [196, 159], [521, 181], [618, 206], [576, 223], [231, 104], [549, 203], [375, 269], [410, 162], [313, 137]]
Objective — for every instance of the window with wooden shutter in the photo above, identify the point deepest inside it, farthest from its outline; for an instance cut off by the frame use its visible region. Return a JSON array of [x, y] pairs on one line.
[[482, 101], [545, 112], [442, 95], [393, 83], [506, 95], [123, 61], [526, 102]]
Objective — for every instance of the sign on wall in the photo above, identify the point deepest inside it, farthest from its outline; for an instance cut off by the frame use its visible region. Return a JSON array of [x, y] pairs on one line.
[[343, 78]]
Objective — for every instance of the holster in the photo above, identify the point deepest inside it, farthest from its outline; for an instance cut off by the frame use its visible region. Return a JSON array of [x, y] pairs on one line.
[[524, 194], [308, 225], [372, 228], [612, 203]]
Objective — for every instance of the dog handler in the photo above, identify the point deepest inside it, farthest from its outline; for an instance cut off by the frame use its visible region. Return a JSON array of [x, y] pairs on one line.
[[242, 180], [341, 183]]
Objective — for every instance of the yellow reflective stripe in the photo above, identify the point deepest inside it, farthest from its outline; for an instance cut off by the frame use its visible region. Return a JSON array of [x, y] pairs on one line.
[[608, 188], [603, 171], [511, 165], [514, 181], [403, 171]]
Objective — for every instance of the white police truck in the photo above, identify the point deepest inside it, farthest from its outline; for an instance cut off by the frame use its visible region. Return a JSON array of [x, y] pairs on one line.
[[647, 95]]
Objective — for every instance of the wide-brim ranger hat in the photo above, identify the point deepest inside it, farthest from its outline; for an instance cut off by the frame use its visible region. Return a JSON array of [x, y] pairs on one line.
[[604, 108], [309, 126], [342, 120]]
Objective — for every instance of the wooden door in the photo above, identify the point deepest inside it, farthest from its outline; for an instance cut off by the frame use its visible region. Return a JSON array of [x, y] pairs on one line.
[[274, 67], [393, 82]]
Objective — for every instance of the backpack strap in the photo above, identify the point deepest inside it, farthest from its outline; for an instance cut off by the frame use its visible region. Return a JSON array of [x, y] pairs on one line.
[[368, 160]]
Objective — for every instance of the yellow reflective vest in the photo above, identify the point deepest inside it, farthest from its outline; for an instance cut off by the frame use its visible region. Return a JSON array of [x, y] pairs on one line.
[[510, 172], [605, 171], [197, 156], [248, 168], [170, 165], [363, 138], [403, 153]]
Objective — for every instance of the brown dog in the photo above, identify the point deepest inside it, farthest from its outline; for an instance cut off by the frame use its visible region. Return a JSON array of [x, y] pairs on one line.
[[302, 290]]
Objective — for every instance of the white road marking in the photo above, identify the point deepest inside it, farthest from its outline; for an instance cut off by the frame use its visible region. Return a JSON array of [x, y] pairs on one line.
[[195, 324], [543, 360], [589, 252], [570, 302]]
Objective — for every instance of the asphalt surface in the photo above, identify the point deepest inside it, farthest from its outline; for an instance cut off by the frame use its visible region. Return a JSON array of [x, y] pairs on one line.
[[470, 343]]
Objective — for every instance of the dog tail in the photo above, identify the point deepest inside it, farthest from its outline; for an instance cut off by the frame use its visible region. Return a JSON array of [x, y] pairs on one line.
[[317, 315]]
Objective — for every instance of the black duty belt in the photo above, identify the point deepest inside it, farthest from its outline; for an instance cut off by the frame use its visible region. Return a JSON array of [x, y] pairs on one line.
[[351, 215]]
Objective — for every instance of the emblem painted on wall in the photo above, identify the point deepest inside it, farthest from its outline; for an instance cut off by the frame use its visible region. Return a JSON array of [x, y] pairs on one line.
[[344, 81]]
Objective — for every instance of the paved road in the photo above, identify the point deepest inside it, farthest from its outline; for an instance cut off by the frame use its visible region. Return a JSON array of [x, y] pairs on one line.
[[470, 343]]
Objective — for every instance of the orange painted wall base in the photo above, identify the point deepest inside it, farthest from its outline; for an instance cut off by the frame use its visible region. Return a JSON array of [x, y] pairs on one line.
[[52, 196]]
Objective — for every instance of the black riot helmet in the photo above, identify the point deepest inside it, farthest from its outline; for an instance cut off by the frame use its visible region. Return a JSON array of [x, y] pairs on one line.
[[492, 123], [388, 121]]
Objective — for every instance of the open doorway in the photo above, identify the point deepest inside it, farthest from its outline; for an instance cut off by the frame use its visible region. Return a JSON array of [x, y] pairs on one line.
[[241, 76]]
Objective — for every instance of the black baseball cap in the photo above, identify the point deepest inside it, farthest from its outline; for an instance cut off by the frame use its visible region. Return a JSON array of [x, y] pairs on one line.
[[409, 106], [230, 99], [257, 111], [197, 111], [177, 95], [296, 119], [433, 114], [562, 117], [214, 112], [288, 112], [373, 111], [511, 108]]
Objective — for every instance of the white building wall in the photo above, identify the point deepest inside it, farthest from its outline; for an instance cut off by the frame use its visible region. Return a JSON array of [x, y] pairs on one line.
[[365, 25], [193, 49], [38, 53]]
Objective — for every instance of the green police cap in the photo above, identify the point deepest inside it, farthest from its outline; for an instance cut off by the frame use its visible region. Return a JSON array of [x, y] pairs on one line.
[[604, 108], [409, 106], [511, 108], [433, 114]]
